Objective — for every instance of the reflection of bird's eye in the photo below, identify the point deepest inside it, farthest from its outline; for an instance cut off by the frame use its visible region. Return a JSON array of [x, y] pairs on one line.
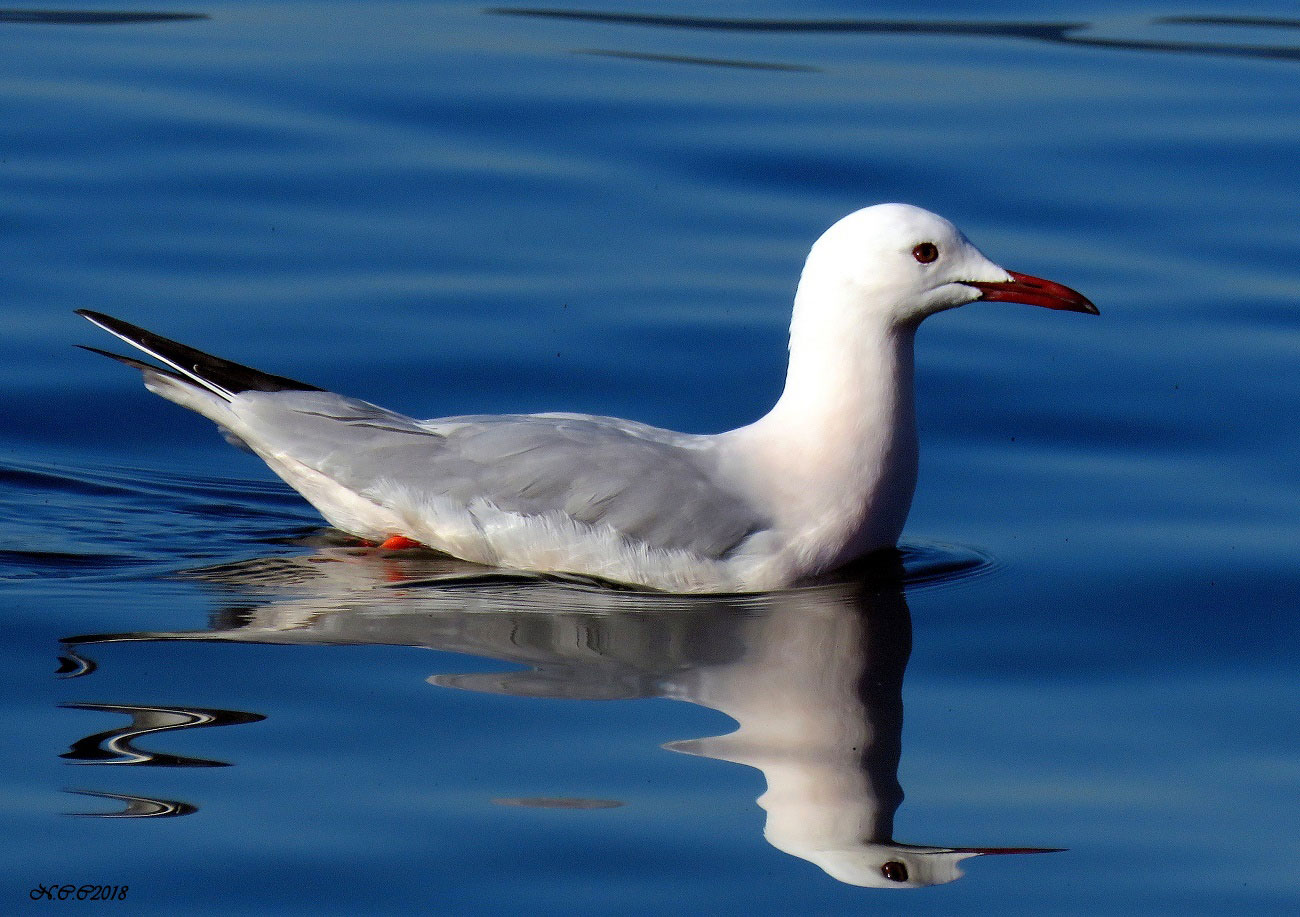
[[925, 252], [894, 871]]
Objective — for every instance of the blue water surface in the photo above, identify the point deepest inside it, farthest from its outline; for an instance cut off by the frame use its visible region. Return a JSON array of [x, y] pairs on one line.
[[444, 209]]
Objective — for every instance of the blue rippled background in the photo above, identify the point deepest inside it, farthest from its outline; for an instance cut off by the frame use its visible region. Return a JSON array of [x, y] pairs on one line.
[[449, 209]]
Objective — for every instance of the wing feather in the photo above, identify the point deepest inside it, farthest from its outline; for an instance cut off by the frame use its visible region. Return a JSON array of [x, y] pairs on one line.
[[659, 488]]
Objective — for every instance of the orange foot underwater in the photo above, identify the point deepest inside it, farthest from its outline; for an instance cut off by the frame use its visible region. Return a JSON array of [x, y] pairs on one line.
[[399, 543]]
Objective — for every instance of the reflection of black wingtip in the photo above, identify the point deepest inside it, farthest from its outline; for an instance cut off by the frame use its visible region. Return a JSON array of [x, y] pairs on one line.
[[115, 746], [515, 578], [996, 851], [78, 640], [73, 665], [136, 806], [93, 17]]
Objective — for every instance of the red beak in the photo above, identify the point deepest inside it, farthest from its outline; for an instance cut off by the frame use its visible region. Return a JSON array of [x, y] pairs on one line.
[[1034, 291]]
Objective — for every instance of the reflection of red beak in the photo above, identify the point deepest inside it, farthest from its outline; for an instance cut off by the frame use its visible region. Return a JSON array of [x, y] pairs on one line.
[[985, 851], [1034, 291]]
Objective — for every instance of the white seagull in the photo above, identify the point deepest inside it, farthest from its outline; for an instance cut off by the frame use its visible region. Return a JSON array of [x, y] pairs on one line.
[[825, 478]]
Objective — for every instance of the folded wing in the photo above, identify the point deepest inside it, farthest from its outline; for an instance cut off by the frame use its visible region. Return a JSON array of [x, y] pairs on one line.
[[654, 487]]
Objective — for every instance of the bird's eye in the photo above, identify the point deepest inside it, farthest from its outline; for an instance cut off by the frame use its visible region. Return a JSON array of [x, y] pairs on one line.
[[925, 252], [895, 871]]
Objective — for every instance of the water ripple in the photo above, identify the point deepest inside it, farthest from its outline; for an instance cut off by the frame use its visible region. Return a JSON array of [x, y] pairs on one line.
[[110, 522], [136, 806], [1061, 33]]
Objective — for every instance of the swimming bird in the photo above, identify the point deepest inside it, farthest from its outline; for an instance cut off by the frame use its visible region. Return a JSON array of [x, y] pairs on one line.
[[824, 478]]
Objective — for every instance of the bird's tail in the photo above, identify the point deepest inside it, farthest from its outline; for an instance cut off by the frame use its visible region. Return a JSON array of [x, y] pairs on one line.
[[188, 367], [195, 380]]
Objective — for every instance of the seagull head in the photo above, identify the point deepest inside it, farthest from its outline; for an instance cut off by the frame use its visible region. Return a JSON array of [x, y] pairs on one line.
[[897, 263]]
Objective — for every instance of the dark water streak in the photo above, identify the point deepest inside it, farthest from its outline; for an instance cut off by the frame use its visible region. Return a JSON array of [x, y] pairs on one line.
[[1062, 33], [91, 17], [699, 61]]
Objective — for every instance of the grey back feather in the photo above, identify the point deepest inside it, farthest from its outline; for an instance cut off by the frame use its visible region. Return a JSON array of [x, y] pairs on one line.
[[654, 486]]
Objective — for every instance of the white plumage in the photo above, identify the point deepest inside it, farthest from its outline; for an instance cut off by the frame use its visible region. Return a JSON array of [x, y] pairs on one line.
[[824, 478]]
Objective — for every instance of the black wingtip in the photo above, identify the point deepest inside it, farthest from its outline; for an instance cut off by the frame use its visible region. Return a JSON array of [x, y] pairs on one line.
[[133, 362], [96, 317], [224, 377], [129, 361]]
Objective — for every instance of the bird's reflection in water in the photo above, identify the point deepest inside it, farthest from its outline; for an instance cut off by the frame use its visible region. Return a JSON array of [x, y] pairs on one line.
[[813, 677], [117, 746], [136, 806]]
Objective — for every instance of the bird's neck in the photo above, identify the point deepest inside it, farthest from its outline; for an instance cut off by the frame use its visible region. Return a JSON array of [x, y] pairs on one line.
[[819, 711], [839, 448]]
